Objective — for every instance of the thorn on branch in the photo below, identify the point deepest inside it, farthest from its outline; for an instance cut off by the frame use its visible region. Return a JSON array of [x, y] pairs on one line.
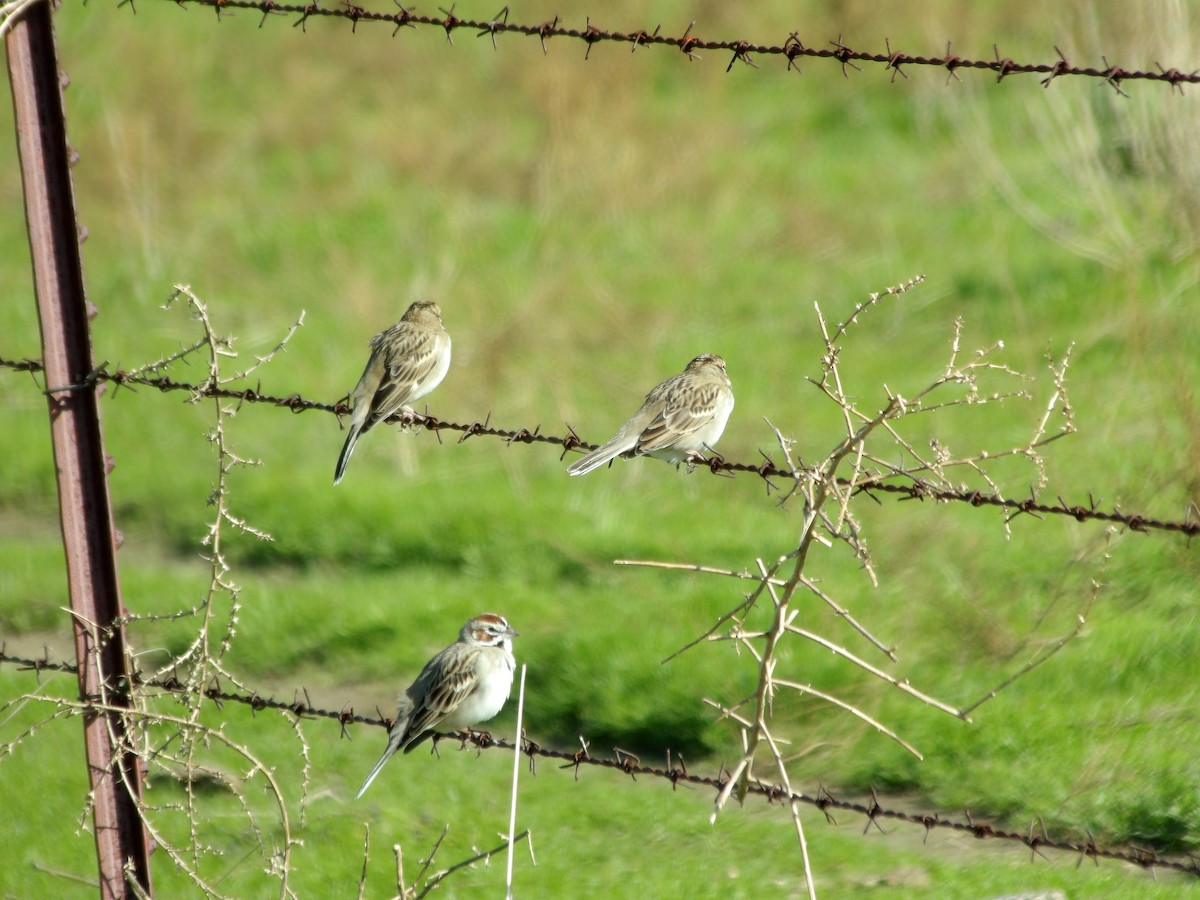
[[172, 684], [591, 35], [845, 56], [1145, 857], [499, 19], [1004, 67], [627, 761], [674, 773], [1113, 76], [951, 62], [580, 756], [532, 750], [345, 717], [716, 464], [741, 51], [688, 42], [640, 37], [894, 60], [214, 694], [481, 739], [545, 30], [1175, 77], [1032, 841], [353, 13], [523, 436], [823, 802], [302, 22], [267, 7], [388, 721], [476, 428], [402, 18], [300, 708], [873, 812], [792, 48], [929, 822], [570, 442], [1060, 68], [450, 22]]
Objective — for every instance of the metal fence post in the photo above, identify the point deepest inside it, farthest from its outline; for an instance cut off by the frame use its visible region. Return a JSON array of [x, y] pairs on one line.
[[122, 843]]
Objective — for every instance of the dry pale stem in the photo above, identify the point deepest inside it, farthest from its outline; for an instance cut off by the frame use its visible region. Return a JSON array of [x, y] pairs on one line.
[[869, 450]]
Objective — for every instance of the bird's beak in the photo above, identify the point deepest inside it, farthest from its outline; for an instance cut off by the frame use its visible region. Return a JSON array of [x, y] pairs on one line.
[[513, 632]]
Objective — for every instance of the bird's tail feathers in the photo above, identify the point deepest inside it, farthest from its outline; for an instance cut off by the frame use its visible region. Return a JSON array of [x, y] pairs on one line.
[[393, 743], [598, 457], [347, 450]]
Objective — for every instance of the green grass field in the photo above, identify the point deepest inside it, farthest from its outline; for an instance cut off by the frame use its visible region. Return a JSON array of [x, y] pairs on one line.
[[588, 227]]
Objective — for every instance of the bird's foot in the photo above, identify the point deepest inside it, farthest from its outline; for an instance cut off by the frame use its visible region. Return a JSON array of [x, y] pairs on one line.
[[410, 421], [481, 739]]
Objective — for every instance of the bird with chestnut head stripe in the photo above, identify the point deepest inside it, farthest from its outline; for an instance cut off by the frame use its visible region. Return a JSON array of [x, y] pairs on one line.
[[463, 685]]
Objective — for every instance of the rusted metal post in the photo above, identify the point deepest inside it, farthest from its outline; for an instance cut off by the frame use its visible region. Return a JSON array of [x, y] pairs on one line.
[[86, 513]]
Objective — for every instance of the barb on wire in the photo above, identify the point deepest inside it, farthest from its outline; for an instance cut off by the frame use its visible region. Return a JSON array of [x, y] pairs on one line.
[[911, 489], [675, 772], [688, 43]]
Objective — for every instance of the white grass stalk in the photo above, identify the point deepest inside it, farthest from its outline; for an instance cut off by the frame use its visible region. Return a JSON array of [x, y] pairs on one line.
[[512, 811]]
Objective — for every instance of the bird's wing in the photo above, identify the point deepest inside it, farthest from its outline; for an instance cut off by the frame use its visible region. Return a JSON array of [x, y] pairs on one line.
[[439, 692], [687, 411], [406, 359]]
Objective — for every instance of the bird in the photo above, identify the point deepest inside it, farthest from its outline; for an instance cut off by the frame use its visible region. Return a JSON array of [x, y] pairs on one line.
[[680, 419], [407, 361], [463, 685]]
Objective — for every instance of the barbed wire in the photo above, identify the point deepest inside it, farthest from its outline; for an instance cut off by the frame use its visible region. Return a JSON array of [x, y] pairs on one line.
[[767, 469], [791, 50], [675, 772]]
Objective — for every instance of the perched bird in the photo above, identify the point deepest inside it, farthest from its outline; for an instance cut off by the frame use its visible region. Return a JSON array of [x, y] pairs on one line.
[[682, 417], [407, 361], [464, 684]]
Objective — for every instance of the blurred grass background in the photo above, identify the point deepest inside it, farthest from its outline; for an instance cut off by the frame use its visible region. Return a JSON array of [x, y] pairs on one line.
[[588, 227]]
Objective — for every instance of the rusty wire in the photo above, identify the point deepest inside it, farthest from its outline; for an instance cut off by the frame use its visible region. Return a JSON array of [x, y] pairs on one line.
[[767, 469], [675, 772], [791, 50]]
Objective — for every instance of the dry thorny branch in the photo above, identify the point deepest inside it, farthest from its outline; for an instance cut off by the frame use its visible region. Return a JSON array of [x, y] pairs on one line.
[[184, 746], [181, 744], [425, 881], [871, 440], [875, 447]]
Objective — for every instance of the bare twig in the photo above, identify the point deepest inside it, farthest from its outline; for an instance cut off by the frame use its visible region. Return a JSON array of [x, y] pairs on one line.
[[486, 855], [1053, 648], [362, 879], [512, 813]]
